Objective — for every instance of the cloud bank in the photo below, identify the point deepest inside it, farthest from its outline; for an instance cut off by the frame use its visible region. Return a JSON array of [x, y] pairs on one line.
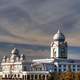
[[35, 21]]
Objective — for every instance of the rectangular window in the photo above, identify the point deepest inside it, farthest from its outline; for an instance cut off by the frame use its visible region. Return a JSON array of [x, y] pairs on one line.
[[54, 65], [64, 69], [78, 65], [59, 70], [73, 69], [73, 65], [55, 70], [77, 69], [25, 68], [64, 65], [59, 65]]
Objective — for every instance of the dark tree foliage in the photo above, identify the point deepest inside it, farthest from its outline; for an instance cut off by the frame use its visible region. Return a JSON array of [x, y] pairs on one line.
[[64, 76]]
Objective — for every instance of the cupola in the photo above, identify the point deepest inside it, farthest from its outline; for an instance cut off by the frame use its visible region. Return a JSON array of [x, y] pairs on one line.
[[59, 36]]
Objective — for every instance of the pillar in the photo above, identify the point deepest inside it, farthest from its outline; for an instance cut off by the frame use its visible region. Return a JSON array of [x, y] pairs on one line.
[[45, 77]]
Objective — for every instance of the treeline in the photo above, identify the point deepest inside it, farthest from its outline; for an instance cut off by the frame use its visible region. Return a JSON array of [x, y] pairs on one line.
[[64, 76]]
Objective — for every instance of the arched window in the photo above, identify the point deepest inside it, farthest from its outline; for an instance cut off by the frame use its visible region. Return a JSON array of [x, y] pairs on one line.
[[43, 77], [40, 76], [15, 75], [5, 76], [18, 75], [28, 77], [23, 77], [35, 76]]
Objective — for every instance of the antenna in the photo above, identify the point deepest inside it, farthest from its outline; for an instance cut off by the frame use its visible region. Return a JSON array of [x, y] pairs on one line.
[[60, 27]]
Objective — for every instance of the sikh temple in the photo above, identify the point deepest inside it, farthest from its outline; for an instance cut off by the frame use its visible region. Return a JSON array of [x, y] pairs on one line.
[[15, 65]]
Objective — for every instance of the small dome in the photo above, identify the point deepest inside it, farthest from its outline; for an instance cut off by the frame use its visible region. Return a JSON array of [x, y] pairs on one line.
[[4, 57], [14, 55], [15, 51], [22, 57], [59, 36]]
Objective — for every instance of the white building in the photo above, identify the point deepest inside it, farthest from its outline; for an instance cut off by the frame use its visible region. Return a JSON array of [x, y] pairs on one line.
[[16, 66]]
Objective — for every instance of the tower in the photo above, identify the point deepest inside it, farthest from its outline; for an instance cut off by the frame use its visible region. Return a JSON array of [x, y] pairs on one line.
[[59, 46]]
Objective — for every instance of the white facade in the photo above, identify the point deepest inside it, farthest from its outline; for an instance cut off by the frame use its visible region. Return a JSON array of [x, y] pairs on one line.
[[15, 65]]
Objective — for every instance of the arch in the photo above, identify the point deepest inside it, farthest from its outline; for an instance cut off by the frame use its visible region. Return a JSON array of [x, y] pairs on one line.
[[28, 77], [35, 77], [5, 76], [9, 75], [40, 76], [24, 68], [43, 77], [18, 75], [15, 76], [23, 77]]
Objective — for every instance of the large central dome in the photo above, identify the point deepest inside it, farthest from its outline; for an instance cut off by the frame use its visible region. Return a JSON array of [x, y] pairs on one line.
[[59, 36]]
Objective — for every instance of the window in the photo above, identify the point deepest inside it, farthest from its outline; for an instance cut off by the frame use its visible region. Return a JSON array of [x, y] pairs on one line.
[[55, 70], [43, 77], [73, 69], [73, 65], [64, 65], [64, 69], [24, 68], [39, 76], [78, 65], [5, 76], [40, 69], [36, 69], [78, 69], [35, 76], [18, 75], [59, 65], [15, 75], [59, 70], [23, 76], [28, 77], [54, 65]]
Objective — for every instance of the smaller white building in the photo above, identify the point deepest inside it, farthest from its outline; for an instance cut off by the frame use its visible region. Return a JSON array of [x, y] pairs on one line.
[[15, 66]]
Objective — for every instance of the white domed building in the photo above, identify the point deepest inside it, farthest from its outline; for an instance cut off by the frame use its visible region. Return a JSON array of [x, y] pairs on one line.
[[16, 67]]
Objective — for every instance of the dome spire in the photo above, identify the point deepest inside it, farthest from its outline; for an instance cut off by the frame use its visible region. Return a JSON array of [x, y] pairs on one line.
[[58, 31], [59, 28], [59, 36]]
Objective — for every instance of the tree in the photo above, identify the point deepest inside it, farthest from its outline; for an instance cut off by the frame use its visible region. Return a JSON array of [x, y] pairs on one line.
[[77, 76], [62, 76], [67, 76]]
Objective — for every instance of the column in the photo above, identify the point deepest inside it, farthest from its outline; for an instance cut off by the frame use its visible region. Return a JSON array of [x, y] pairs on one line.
[[57, 67], [45, 77], [62, 68], [76, 67], [34, 77], [38, 76]]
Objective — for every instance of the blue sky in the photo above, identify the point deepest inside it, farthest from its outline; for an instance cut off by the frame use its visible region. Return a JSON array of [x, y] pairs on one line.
[[34, 22]]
